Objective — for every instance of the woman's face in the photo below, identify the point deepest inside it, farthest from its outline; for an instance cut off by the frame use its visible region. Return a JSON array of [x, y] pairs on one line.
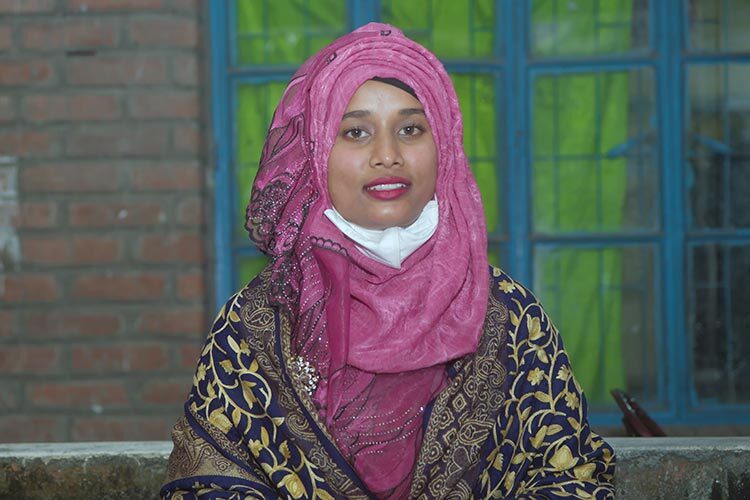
[[383, 166]]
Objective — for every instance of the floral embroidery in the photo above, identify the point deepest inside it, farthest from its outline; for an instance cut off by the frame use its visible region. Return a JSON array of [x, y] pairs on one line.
[[535, 376], [571, 400], [563, 373], [535, 463]]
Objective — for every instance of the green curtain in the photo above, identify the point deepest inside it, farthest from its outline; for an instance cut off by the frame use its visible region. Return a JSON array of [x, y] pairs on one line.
[[577, 119]]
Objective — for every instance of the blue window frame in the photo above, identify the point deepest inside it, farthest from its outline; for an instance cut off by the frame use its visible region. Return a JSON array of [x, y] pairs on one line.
[[656, 191]]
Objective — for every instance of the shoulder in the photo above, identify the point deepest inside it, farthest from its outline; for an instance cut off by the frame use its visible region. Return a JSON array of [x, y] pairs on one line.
[[514, 325], [506, 290], [245, 322], [237, 355], [521, 304], [531, 337]]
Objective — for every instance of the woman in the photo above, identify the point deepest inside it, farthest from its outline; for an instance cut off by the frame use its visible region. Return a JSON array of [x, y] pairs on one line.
[[375, 356]]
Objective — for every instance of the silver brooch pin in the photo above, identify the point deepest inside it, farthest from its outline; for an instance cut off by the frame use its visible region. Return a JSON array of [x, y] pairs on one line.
[[305, 374]]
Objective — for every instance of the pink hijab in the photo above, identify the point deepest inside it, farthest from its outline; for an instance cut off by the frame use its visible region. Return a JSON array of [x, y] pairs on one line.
[[379, 337]]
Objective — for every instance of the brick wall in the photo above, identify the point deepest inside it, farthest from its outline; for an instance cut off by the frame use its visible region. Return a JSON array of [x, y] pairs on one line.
[[102, 240]]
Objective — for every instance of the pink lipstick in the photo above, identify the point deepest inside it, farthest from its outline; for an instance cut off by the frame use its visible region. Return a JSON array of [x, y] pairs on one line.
[[387, 188]]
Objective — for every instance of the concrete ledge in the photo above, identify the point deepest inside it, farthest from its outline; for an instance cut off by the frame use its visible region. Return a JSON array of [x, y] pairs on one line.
[[677, 468], [648, 468], [121, 470]]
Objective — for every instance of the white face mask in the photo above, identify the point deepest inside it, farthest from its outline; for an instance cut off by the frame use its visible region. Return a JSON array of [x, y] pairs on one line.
[[393, 245]]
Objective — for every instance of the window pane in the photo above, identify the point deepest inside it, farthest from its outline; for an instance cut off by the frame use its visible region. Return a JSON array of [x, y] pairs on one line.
[[588, 27], [286, 31], [476, 95], [594, 152], [718, 145], [719, 25], [602, 300], [254, 110], [719, 319], [448, 28], [248, 268], [497, 256]]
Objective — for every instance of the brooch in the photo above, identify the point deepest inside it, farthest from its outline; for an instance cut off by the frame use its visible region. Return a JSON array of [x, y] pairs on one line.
[[305, 374]]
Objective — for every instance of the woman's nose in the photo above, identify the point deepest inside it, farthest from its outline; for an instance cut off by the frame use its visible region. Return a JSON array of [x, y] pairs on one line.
[[385, 152]]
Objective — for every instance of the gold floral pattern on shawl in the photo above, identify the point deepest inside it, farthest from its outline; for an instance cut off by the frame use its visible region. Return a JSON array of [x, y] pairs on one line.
[[545, 447]]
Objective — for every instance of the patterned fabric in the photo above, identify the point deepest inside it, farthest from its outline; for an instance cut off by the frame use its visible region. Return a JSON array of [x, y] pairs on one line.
[[510, 424]]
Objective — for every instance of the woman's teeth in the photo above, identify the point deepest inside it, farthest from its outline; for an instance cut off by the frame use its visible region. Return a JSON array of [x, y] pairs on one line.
[[386, 187]]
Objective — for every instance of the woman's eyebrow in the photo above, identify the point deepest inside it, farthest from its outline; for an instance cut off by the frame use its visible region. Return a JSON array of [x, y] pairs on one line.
[[358, 113], [362, 113], [411, 111]]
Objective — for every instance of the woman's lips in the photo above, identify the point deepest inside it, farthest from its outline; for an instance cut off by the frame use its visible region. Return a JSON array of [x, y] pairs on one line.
[[387, 188]]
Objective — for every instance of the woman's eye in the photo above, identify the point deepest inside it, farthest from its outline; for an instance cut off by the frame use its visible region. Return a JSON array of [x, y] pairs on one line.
[[411, 130], [355, 133]]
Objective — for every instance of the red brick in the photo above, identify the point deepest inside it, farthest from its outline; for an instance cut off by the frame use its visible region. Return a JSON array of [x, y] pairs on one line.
[[185, 5], [189, 355], [8, 182], [69, 34], [70, 323], [109, 214], [45, 250], [190, 286], [37, 215], [30, 429], [117, 70], [27, 6], [185, 69], [86, 107], [9, 217], [60, 250], [27, 143], [77, 394], [114, 5], [26, 359], [117, 140], [164, 32], [174, 104], [174, 321], [186, 139], [8, 190], [28, 288], [7, 323], [120, 287], [166, 177], [190, 212], [69, 177], [7, 109], [9, 395], [166, 393], [27, 72], [119, 358], [127, 428], [96, 249], [6, 38], [171, 247]]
